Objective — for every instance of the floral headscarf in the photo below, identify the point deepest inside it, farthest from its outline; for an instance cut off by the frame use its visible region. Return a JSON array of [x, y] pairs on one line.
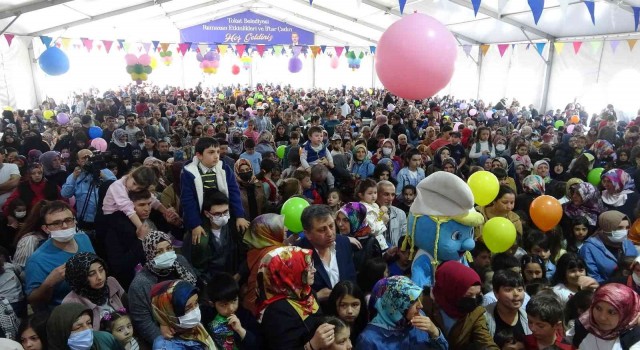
[[169, 300], [591, 204], [603, 149], [393, 297], [283, 274], [236, 170], [76, 273], [620, 297], [356, 213], [533, 184], [623, 184], [149, 244], [117, 134]]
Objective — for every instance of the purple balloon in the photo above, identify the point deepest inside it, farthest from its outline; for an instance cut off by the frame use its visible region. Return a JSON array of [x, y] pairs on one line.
[[295, 65], [209, 56], [63, 118], [199, 57]]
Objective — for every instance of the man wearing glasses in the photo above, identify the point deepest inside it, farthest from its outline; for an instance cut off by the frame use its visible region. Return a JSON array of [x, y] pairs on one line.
[[45, 269]]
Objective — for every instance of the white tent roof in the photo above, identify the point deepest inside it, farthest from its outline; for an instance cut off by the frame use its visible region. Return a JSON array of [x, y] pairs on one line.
[[348, 22]]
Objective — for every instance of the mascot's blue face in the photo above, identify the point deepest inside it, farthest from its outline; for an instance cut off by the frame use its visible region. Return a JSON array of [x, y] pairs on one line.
[[455, 239]]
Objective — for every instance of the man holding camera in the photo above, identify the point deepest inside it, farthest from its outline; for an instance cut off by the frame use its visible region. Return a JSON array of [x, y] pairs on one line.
[[84, 187]]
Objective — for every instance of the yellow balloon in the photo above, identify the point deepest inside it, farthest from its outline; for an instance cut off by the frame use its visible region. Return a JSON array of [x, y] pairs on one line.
[[8, 108], [484, 186], [135, 76], [47, 114], [143, 76], [153, 63], [499, 234]]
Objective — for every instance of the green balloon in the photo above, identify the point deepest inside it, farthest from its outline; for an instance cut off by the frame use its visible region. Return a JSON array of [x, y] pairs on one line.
[[280, 151], [138, 68], [169, 53], [559, 123], [147, 69], [292, 211], [595, 176], [162, 54], [129, 69], [356, 103], [250, 101]]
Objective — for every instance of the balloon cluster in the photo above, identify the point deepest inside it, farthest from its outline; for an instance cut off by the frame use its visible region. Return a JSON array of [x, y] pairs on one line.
[[167, 57], [210, 62], [246, 62], [139, 67], [354, 61]]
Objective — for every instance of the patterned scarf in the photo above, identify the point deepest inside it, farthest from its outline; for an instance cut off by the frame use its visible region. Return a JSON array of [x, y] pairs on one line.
[[283, 274], [591, 204], [620, 297], [623, 184], [356, 213], [603, 149], [149, 244], [533, 184], [77, 272], [392, 297]]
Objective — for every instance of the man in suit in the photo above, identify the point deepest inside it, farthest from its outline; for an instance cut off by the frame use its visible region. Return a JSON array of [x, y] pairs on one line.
[[332, 254]]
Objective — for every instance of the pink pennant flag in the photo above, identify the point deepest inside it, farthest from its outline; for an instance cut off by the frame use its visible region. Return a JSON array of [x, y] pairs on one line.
[[614, 45], [9, 38], [183, 47], [502, 48], [240, 49], [88, 43], [339, 50], [576, 46], [146, 46], [260, 48], [107, 44]]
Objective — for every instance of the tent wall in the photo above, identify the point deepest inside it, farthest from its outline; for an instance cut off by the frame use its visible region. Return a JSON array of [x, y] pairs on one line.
[[17, 88]]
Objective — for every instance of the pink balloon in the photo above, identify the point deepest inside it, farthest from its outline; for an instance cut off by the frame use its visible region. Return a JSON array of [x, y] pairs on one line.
[[249, 110], [131, 59], [100, 144], [456, 126], [570, 128], [144, 60], [335, 62], [426, 70], [215, 64], [473, 112], [206, 64]]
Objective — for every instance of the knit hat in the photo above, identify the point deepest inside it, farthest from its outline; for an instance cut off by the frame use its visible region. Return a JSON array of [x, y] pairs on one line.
[[610, 220]]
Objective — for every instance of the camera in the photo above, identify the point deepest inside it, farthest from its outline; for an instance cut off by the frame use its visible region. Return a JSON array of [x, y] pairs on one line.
[[96, 162]]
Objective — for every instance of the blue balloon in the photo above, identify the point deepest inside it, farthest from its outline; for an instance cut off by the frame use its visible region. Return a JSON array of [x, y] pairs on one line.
[[54, 61], [95, 132]]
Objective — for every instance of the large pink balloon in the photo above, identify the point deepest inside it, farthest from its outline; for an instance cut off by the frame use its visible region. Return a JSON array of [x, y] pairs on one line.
[[144, 60], [335, 62], [131, 59], [99, 143], [415, 57]]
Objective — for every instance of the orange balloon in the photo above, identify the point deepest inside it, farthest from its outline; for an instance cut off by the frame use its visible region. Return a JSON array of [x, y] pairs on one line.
[[574, 119], [546, 212]]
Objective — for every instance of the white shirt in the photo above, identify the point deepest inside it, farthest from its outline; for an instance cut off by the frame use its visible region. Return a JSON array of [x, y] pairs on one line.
[[6, 171], [332, 268], [563, 292], [591, 342]]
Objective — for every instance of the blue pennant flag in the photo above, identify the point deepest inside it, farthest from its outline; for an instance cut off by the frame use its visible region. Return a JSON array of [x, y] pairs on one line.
[[46, 40], [476, 6], [591, 6], [636, 16], [401, 3], [323, 47], [372, 49], [155, 45], [121, 43], [536, 8], [540, 47]]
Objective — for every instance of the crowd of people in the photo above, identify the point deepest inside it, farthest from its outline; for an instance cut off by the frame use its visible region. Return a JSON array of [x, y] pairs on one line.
[[163, 231]]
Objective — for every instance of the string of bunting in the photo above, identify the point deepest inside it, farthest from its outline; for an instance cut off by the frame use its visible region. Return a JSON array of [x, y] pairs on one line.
[[596, 46]]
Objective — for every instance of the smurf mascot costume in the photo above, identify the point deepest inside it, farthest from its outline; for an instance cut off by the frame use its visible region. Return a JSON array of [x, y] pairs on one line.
[[440, 224]]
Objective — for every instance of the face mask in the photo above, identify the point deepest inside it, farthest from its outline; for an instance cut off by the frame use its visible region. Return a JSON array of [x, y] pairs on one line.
[[617, 236], [82, 340], [190, 319], [500, 147], [220, 221], [64, 235], [120, 122], [20, 214], [534, 139], [164, 260], [246, 176], [468, 304], [387, 151]]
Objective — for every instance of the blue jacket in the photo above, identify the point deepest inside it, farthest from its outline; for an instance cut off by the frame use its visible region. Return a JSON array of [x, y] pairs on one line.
[[363, 169], [344, 257], [374, 337], [80, 188], [191, 195], [601, 263], [404, 179]]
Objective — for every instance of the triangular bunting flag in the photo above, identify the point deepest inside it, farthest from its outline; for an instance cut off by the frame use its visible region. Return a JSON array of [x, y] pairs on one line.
[[240, 49], [315, 50], [107, 45], [164, 46], [88, 43], [402, 3], [591, 6], [558, 46], [155, 45], [223, 49], [501, 5], [297, 50], [193, 47], [277, 50], [310, 2], [126, 45], [65, 43], [183, 47], [484, 48], [260, 48], [147, 47], [576, 46], [46, 40], [203, 48], [476, 6], [540, 47], [614, 45], [596, 46], [528, 46], [372, 49], [636, 16], [502, 48], [120, 42], [467, 49], [9, 38], [339, 50], [632, 43], [323, 48], [513, 46], [346, 48], [536, 7]]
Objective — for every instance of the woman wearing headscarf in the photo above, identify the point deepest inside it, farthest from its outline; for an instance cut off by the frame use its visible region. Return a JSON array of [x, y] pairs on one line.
[[33, 189], [86, 273], [121, 151], [54, 171], [175, 306], [10, 139], [542, 169], [584, 200], [430, 135], [532, 187], [362, 167], [612, 320], [618, 193], [33, 141], [265, 143], [386, 155], [253, 193], [265, 234], [286, 306], [70, 327], [399, 322], [351, 220], [458, 298], [604, 152], [162, 264], [235, 141]]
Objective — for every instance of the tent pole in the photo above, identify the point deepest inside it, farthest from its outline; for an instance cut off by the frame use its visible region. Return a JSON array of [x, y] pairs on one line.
[[547, 77], [479, 64], [313, 71], [373, 72], [600, 62]]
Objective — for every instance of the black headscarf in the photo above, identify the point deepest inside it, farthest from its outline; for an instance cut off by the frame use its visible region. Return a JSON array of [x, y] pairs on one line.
[[77, 272]]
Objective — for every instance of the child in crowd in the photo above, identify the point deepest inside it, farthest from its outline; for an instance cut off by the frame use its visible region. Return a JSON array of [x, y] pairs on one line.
[[532, 267], [314, 151], [522, 157], [507, 341], [11, 287], [400, 264], [347, 302], [118, 323], [377, 217], [508, 312], [251, 155], [571, 277], [308, 189], [545, 314], [538, 243], [408, 196], [333, 200], [481, 257], [579, 232]]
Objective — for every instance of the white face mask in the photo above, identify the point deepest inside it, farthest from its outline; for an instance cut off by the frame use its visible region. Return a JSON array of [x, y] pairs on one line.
[[220, 221], [387, 151], [164, 260], [190, 319], [65, 235], [20, 214], [500, 147], [617, 236]]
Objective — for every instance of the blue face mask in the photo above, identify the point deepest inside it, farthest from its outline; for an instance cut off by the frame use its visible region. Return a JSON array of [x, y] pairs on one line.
[[82, 340]]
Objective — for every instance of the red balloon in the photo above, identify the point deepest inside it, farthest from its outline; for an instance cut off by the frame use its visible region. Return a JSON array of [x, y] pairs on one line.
[[415, 57], [235, 70], [545, 212]]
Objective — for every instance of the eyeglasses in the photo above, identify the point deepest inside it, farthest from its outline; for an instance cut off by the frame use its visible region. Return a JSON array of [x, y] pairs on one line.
[[219, 215], [58, 224]]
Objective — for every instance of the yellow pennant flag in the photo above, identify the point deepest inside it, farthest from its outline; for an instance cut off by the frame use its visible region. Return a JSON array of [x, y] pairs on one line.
[[66, 42], [315, 50], [632, 43], [223, 49], [558, 46], [484, 49]]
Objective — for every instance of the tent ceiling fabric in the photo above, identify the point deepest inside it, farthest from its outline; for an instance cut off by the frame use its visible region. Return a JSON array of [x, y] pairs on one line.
[[353, 22]]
